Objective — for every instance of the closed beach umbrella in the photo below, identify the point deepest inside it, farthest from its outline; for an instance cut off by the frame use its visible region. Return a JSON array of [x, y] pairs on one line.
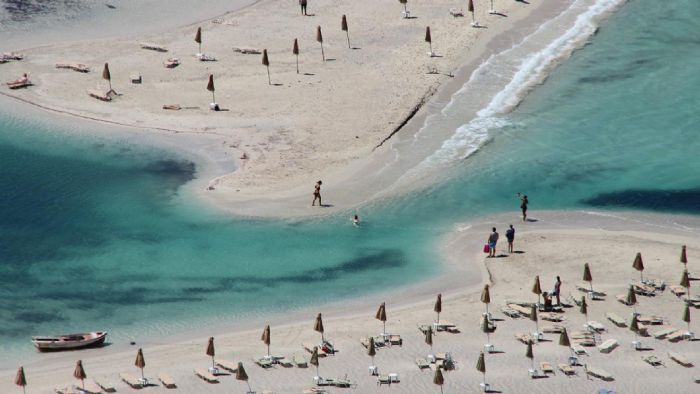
[[314, 358], [634, 326], [534, 317], [438, 307], [438, 378], [564, 339], [79, 372], [210, 351], [536, 288], [371, 349], [486, 297], [429, 339], [198, 38], [685, 279], [381, 315], [266, 63], [20, 379], [242, 375], [686, 315], [481, 365], [584, 307], [106, 75], [210, 87], [529, 354], [295, 51], [318, 326], [486, 328], [631, 298], [266, 338], [587, 276], [429, 39], [344, 27], [140, 362], [319, 38], [638, 264], [684, 257]]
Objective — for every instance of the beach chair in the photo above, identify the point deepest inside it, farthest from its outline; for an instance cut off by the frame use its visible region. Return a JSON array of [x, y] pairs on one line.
[[323, 381], [524, 311], [167, 381], [445, 326], [422, 363], [546, 367], [153, 47], [579, 350], [608, 346], [599, 373], [395, 339], [343, 382], [383, 379], [524, 338], [227, 365], [643, 289], [263, 362], [616, 319], [285, 362], [650, 320], [18, 85], [594, 326], [552, 329], [567, 369], [394, 378], [676, 336], [107, 388], [653, 360], [205, 375], [135, 78], [205, 58], [662, 334], [107, 97], [456, 13], [299, 361], [510, 312], [315, 390], [549, 316], [131, 381], [677, 290], [680, 359]]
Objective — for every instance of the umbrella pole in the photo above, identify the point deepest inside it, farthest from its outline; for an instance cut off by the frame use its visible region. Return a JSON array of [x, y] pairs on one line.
[[348, 35], [492, 11], [213, 100], [297, 64], [142, 377], [384, 331], [431, 48], [438, 314], [268, 76], [200, 47], [213, 365], [323, 54], [268, 350]]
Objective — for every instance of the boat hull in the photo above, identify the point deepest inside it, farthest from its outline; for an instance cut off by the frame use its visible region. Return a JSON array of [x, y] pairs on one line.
[[69, 342]]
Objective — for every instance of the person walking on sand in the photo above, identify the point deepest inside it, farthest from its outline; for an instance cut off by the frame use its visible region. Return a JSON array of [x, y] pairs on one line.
[[557, 290], [356, 221], [302, 3], [510, 236], [523, 205], [493, 240], [317, 194]]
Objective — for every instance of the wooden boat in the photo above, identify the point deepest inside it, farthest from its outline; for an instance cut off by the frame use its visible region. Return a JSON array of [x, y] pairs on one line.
[[70, 341]]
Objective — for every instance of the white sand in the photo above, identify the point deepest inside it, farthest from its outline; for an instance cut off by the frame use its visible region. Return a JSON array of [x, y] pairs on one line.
[[319, 126], [558, 244]]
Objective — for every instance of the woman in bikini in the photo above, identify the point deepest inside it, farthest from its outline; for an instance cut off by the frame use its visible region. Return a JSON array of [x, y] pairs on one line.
[[317, 194]]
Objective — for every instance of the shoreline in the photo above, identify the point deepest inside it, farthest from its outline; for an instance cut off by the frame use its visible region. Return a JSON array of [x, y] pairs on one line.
[[405, 306]]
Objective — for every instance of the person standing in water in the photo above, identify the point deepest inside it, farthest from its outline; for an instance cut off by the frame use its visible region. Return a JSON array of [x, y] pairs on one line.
[[523, 205], [317, 194], [510, 236], [493, 240], [356, 221]]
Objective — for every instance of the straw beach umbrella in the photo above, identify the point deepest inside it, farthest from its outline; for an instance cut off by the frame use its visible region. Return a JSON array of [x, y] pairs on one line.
[[564, 340], [631, 298], [210, 87], [429, 339], [266, 338], [686, 317], [314, 359], [242, 375], [21, 380], [530, 354], [79, 373], [438, 378], [587, 277], [295, 51], [438, 307], [211, 352], [537, 288], [684, 257], [266, 63], [584, 307], [344, 27], [140, 362], [198, 39], [481, 367], [381, 315], [318, 326], [638, 264], [429, 40], [107, 75], [319, 39], [685, 282], [470, 8], [486, 298]]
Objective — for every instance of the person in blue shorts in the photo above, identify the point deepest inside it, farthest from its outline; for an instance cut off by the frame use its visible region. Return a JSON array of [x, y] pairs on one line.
[[493, 240]]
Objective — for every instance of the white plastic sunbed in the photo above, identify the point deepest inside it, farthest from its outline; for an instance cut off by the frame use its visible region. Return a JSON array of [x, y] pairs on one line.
[[680, 359], [616, 319], [167, 380], [608, 346], [599, 373], [130, 380], [205, 375]]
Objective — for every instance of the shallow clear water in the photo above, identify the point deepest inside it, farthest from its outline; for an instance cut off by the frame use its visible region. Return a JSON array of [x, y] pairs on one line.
[[94, 233]]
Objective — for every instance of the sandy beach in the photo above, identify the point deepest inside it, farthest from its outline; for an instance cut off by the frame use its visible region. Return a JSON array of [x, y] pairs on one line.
[[324, 123], [559, 243]]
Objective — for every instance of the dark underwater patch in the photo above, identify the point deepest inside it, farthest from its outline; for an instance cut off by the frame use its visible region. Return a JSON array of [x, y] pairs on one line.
[[686, 200]]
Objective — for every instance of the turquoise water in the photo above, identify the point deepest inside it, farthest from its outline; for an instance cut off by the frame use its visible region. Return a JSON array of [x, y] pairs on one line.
[[95, 233]]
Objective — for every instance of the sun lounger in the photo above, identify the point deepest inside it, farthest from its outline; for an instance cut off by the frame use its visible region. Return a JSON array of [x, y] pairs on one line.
[[79, 67], [99, 95], [456, 13], [552, 329], [205, 375], [130, 380], [524, 338], [285, 362], [510, 312], [90, 388], [567, 369], [395, 339], [525, 311], [323, 381], [66, 390], [595, 326], [383, 379], [172, 62], [263, 362], [549, 316], [546, 367], [167, 381], [581, 335], [315, 390], [153, 47], [12, 56], [599, 373], [422, 363], [247, 51], [227, 365], [18, 85], [108, 388], [650, 320], [643, 289], [653, 360], [680, 359], [662, 334], [343, 382], [299, 362], [616, 319], [676, 336], [677, 290], [579, 350], [608, 346], [446, 326], [594, 295], [205, 58], [622, 298]]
